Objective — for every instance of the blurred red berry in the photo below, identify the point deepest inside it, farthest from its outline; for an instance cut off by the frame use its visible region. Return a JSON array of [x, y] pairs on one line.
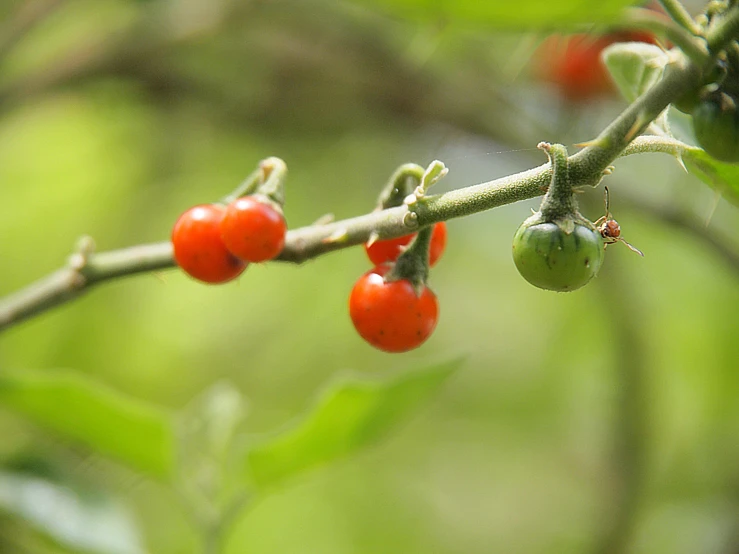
[[573, 64]]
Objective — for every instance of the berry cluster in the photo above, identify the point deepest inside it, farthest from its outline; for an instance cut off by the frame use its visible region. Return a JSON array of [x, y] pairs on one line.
[[215, 242], [391, 306]]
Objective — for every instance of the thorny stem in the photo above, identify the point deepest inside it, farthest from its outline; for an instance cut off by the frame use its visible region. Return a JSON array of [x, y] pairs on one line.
[[586, 168]]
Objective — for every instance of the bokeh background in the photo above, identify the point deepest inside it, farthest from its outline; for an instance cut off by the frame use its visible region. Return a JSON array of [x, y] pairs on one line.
[[604, 420]]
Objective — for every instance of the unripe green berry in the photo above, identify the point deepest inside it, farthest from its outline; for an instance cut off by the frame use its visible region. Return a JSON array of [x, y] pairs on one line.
[[716, 126], [549, 258]]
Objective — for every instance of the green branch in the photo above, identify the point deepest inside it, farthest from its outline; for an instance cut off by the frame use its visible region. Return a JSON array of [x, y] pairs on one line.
[[680, 15], [86, 269], [586, 168]]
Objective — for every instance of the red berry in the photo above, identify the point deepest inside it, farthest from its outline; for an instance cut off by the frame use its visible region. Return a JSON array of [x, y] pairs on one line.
[[253, 230], [199, 249], [382, 251], [389, 315]]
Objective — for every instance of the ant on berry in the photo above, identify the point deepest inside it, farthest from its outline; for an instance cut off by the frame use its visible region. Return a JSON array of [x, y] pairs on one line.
[[609, 228]]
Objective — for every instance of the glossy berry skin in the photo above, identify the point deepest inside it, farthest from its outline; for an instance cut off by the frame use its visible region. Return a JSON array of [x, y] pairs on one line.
[[716, 126], [551, 259], [199, 249], [389, 315], [384, 251], [253, 230]]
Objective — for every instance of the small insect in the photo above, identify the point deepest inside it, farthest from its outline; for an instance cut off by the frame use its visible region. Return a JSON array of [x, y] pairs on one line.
[[609, 228]]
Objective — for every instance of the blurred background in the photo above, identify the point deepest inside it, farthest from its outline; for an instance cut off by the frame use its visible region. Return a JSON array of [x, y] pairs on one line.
[[604, 420]]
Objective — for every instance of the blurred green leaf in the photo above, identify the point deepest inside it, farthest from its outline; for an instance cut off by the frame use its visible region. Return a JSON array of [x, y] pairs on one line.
[[634, 66], [104, 420], [352, 413], [79, 520], [721, 176], [206, 428], [522, 15]]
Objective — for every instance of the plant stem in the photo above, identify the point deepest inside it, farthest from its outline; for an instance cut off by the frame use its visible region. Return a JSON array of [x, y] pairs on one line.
[[680, 15], [301, 244], [586, 168], [724, 31], [559, 201], [649, 20]]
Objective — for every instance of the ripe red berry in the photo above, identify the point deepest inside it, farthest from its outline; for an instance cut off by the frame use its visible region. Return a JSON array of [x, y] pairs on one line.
[[383, 251], [253, 230], [199, 249], [389, 315]]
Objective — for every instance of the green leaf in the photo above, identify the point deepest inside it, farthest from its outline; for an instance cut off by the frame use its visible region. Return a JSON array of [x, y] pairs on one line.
[[635, 67], [721, 176], [521, 15], [102, 419], [351, 413], [208, 470], [78, 520]]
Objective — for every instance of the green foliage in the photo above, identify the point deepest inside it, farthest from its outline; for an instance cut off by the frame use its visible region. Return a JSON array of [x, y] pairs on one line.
[[105, 421], [721, 176], [350, 414], [526, 14], [120, 149], [76, 518], [635, 67]]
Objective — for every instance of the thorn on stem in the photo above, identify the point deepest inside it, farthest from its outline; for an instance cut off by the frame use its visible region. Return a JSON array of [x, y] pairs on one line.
[[373, 238], [325, 219], [340, 235], [83, 248]]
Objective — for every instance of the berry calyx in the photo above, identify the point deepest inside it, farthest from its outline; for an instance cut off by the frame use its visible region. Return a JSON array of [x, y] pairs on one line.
[[199, 249], [383, 251], [253, 229], [389, 314]]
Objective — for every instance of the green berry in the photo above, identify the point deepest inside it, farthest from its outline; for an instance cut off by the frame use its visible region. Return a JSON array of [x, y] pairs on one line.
[[716, 127], [549, 258]]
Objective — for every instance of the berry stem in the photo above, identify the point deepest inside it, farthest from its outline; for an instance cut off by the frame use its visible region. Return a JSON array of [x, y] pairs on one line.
[[720, 34], [413, 264], [692, 45], [247, 187], [559, 201], [401, 183], [274, 172], [680, 15]]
